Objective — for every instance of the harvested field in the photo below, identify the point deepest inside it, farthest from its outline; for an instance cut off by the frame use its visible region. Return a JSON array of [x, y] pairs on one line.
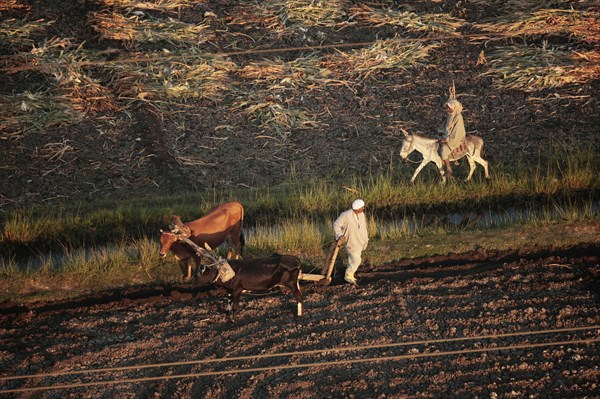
[[114, 99]]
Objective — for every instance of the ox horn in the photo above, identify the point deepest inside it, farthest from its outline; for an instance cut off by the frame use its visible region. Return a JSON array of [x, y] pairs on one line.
[[405, 132]]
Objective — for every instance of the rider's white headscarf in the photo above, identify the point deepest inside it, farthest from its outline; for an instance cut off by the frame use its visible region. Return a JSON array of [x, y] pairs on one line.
[[455, 106]]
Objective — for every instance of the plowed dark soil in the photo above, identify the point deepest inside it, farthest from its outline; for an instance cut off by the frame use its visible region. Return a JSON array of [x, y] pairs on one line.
[[444, 327]]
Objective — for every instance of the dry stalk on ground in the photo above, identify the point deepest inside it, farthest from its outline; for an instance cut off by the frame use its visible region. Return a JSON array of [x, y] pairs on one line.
[[73, 92], [410, 21], [39, 56], [26, 112], [21, 35], [308, 72], [329, 13], [62, 60], [583, 25], [10, 5], [165, 6], [87, 94], [53, 152], [533, 68], [187, 154], [253, 15], [524, 5], [160, 81], [383, 55], [134, 30], [272, 116]]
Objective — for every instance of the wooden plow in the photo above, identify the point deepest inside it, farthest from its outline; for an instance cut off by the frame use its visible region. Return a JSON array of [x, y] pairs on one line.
[[327, 270]]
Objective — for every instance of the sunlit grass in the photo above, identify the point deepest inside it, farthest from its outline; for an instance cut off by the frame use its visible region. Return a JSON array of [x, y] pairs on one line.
[[73, 271], [301, 237], [21, 228], [555, 178], [393, 230], [9, 268], [316, 197]]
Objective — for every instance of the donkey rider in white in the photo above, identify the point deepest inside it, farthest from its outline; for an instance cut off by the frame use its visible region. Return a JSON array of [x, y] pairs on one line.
[[351, 226], [452, 132]]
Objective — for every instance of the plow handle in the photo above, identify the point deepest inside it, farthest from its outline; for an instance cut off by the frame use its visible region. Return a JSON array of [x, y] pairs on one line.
[[331, 257]]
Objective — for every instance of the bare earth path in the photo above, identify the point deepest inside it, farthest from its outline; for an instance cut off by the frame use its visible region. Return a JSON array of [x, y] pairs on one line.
[[446, 327]]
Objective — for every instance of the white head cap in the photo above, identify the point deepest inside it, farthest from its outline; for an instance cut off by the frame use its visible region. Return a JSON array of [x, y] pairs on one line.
[[454, 105], [357, 204]]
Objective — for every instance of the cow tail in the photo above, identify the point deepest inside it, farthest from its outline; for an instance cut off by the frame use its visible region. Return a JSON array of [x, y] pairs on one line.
[[242, 235], [242, 242]]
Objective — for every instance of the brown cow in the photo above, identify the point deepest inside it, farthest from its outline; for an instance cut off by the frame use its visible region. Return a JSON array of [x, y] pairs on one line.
[[223, 223]]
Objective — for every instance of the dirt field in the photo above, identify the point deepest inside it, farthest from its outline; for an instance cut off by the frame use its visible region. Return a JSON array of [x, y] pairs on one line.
[[123, 149], [494, 325]]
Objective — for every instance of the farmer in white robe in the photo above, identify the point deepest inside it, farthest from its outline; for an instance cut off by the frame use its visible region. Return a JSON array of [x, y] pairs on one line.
[[351, 227], [452, 132]]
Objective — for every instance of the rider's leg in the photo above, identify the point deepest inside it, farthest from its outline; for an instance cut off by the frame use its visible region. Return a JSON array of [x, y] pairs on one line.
[[448, 167]]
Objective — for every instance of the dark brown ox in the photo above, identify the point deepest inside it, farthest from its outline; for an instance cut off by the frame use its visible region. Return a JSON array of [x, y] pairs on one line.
[[223, 223], [261, 274]]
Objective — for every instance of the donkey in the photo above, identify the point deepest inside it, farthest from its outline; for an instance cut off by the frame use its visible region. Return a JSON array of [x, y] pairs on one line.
[[428, 147]]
